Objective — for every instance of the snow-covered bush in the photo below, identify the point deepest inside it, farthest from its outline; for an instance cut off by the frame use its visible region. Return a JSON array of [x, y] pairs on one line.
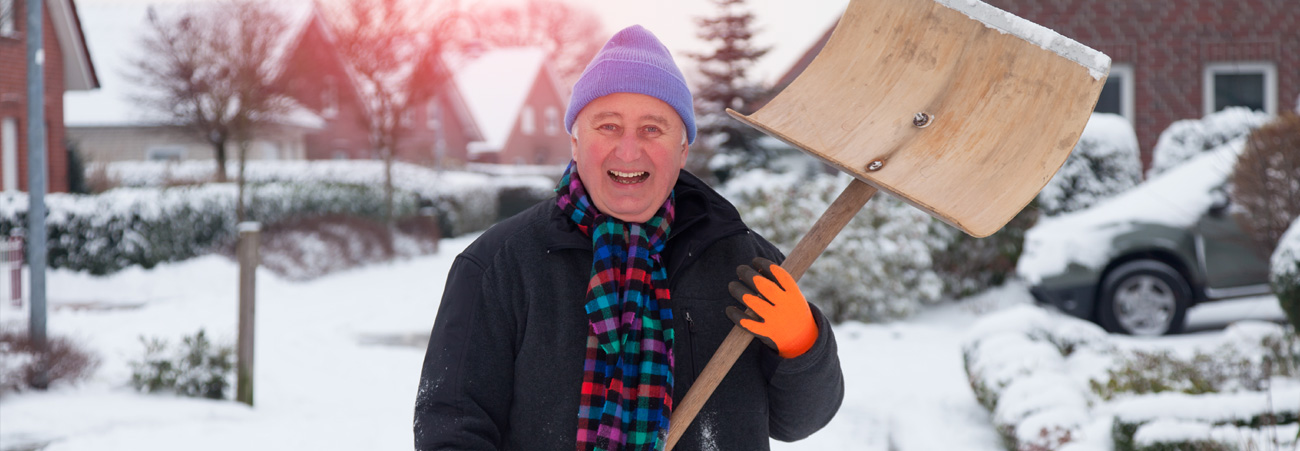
[[1104, 162], [970, 265], [104, 233], [464, 202], [305, 248], [1266, 181], [1285, 273], [877, 268], [1189, 137], [198, 368], [1228, 421], [1020, 363]]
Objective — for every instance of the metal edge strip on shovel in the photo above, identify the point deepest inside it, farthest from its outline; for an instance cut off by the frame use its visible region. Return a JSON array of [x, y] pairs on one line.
[[956, 107]]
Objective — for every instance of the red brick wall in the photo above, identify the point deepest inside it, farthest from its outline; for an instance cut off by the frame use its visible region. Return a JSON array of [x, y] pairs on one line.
[[13, 98], [1169, 43]]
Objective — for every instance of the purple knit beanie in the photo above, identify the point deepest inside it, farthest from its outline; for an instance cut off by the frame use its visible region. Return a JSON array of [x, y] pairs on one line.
[[633, 61]]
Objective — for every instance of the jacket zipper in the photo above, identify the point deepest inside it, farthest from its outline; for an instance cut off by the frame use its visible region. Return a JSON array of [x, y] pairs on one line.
[[690, 332]]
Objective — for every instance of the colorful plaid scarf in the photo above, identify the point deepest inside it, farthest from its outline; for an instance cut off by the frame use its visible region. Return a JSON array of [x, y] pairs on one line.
[[627, 378]]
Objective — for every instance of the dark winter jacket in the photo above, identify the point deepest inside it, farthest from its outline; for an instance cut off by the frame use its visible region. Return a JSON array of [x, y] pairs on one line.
[[504, 364]]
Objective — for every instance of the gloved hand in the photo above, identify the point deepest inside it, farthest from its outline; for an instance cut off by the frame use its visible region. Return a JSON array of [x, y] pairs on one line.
[[781, 316]]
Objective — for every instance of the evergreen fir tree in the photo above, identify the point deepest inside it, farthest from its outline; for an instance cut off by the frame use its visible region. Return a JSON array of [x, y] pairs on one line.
[[724, 143]]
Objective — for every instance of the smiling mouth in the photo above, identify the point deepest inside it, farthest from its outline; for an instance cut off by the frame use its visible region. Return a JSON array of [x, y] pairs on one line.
[[628, 178]]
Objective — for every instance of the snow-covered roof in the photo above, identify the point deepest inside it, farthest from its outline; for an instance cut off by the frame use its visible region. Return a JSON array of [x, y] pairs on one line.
[[113, 32], [495, 86]]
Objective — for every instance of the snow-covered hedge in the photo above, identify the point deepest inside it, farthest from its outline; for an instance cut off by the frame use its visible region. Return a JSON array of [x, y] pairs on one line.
[[1104, 163], [104, 233], [464, 202], [1024, 365], [877, 268], [1038, 373], [1285, 269], [1187, 138]]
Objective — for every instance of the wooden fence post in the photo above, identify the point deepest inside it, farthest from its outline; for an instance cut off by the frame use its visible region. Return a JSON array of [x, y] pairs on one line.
[[249, 240]]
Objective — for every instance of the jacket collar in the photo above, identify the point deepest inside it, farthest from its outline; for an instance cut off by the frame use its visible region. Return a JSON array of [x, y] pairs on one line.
[[703, 216]]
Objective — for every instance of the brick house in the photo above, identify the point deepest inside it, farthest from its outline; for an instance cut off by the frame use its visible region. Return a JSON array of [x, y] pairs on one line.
[[440, 128], [1174, 59], [108, 125], [67, 68], [517, 104]]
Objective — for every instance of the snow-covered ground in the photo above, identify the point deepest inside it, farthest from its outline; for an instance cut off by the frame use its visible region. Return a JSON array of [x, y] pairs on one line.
[[338, 360]]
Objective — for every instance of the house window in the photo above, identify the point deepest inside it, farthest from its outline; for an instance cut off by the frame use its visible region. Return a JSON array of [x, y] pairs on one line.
[[433, 115], [527, 121], [1117, 94], [1249, 84], [340, 154], [165, 153], [329, 98], [8, 17], [552, 121], [9, 152]]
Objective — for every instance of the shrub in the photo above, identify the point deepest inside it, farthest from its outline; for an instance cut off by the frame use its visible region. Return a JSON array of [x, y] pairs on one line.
[[1285, 273], [198, 368], [1266, 181], [877, 268], [1104, 163], [105, 233], [1187, 138], [63, 360], [309, 247], [969, 265]]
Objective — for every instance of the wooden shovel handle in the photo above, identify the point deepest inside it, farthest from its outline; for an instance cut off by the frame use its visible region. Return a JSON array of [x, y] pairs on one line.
[[809, 248]]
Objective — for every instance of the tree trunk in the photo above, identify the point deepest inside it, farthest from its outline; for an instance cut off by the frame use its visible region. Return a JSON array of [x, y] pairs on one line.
[[219, 150], [388, 186], [240, 213]]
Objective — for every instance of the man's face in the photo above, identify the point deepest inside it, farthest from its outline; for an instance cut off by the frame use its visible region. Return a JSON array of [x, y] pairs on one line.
[[628, 148]]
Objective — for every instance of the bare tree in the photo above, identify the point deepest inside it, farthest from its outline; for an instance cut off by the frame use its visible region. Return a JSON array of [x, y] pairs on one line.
[[570, 36], [1266, 182], [209, 69], [391, 46]]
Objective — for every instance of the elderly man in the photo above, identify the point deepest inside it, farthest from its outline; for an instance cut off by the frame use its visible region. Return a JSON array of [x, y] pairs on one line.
[[582, 321]]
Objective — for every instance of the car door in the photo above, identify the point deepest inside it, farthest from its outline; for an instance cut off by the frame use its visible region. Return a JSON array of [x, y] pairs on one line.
[[1228, 257]]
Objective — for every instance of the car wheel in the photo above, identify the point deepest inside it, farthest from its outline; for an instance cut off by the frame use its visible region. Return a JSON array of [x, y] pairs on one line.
[[1144, 297]]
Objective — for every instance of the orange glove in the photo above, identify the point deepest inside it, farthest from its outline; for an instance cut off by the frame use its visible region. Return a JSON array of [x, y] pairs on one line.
[[781, 317]]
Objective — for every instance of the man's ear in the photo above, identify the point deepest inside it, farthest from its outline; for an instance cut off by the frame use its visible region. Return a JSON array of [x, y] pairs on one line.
[[573, 147], [686, 154]]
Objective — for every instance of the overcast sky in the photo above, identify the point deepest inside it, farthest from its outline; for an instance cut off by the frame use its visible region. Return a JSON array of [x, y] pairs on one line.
[[789, 27]]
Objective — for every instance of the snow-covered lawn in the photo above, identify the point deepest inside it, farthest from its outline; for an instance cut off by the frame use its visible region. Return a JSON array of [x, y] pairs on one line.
[[338, 359]]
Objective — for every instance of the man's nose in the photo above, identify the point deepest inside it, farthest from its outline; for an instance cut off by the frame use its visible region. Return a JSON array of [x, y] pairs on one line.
[[629, 147]]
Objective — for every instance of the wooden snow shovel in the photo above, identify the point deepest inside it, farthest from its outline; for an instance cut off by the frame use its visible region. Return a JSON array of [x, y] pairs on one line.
[[954, 106]]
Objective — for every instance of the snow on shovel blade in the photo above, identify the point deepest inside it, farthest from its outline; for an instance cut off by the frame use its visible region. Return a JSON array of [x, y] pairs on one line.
[[956, 107]]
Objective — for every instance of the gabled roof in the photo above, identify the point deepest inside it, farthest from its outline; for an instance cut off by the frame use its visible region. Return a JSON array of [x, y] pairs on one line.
[[495, 86], [115, 30], [78, 71]]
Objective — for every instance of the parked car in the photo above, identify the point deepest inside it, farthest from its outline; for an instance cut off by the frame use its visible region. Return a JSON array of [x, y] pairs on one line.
[[1135, 263]]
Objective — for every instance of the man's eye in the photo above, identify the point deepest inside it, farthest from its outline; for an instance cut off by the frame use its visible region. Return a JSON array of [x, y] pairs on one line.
[[608, 127], [652, 130]]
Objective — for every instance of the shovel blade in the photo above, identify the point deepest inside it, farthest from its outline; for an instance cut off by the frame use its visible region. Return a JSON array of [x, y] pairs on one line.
[[1005, 111]]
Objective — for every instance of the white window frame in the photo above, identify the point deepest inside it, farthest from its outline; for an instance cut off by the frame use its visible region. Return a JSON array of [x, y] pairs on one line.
[[9, 152], [9, 19], [552, 118], [1127, 86], [433, 115], [1267, 68], [330, 99], [165, 153], [527, 120]]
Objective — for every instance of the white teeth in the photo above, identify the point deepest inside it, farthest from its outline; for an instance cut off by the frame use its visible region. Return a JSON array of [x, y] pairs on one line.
[[627, 174]]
